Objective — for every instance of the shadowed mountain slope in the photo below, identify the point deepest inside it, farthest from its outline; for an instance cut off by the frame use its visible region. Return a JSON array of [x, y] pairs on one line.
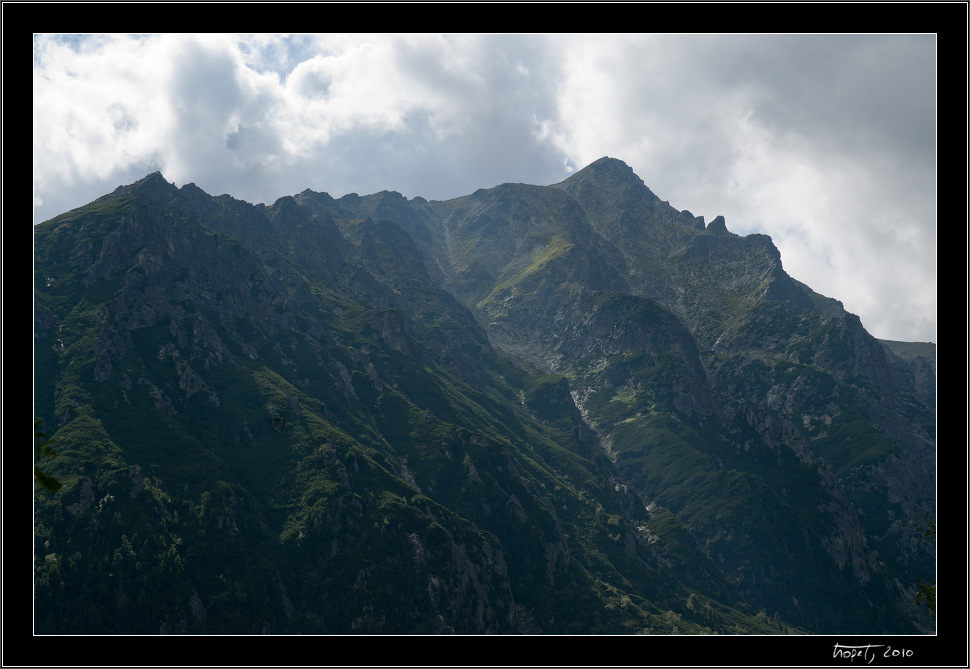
[[531, 409]]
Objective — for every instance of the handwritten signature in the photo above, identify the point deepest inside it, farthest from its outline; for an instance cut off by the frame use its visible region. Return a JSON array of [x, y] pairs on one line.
[[868, 652]]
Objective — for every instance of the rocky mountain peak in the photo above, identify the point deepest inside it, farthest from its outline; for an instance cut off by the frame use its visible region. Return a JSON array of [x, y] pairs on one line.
[[717, 226], [316, 203], [606, 173], [154, 185], [612, 167], [151, 186]]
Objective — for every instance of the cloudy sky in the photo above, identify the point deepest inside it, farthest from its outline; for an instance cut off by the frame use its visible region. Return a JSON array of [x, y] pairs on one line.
[[825, 142]]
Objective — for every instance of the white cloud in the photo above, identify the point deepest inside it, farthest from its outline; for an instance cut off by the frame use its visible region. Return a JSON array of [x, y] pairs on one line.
[[826, 143], [95, 111]]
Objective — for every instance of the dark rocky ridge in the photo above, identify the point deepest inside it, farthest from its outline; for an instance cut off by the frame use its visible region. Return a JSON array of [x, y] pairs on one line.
[[451, 371]]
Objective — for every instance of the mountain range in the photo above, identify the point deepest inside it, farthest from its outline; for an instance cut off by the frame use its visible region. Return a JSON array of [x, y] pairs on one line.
[[563, 409]]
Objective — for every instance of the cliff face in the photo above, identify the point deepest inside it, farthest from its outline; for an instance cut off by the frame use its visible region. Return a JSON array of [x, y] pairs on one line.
[[697, 358], [530, 409]]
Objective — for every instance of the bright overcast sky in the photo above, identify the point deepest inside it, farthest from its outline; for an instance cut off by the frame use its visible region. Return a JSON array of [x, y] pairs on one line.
[[826, 143]]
